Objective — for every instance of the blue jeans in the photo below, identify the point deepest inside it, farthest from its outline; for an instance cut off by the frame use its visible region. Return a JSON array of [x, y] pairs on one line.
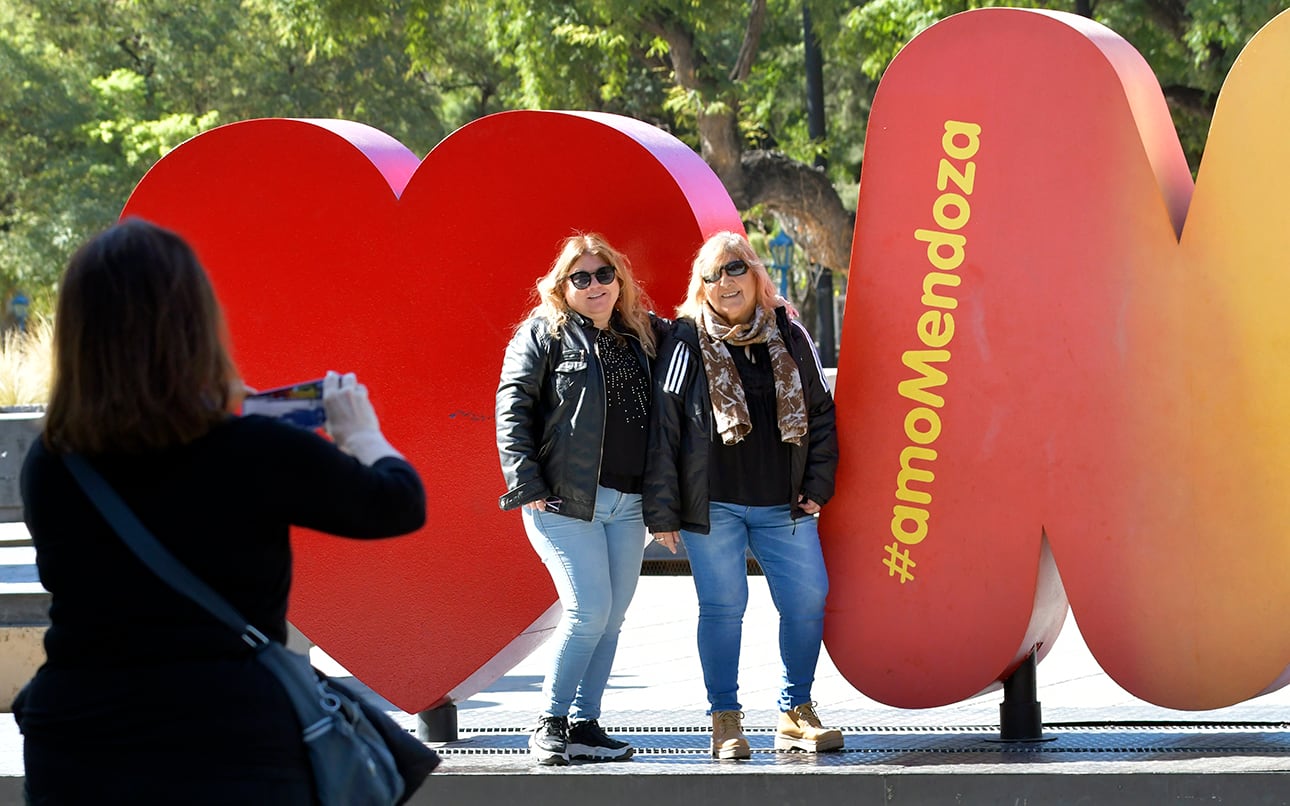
[[789, 554], [595, 566]]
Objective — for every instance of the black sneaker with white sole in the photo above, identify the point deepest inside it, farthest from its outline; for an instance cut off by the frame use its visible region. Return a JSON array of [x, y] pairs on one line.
[[587, 742], [549, 743]]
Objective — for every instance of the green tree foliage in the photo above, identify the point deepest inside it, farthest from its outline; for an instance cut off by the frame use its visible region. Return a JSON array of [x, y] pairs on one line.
[[1190, 44], [92, 92]]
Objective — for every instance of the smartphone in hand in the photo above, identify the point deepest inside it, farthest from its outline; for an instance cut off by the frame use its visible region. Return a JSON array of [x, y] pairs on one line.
[[299, 404]]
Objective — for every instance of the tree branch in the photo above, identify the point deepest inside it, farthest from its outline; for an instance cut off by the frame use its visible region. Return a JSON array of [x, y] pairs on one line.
[[805, 200], [800, 196], [144, 67], [1170, 15], [752, 36], [718, 124], [1191, 99], [680, 51]]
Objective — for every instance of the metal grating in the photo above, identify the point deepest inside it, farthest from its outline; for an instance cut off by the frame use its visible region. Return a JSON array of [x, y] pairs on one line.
[[1066, 741], [680, 566]]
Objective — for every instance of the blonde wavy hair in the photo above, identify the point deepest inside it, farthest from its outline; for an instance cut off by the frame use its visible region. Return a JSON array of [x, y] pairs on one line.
[[633, 305], [718, 250]]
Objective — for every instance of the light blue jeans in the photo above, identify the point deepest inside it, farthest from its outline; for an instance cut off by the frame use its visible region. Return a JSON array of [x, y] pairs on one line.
[[595, 566], [790, 556]]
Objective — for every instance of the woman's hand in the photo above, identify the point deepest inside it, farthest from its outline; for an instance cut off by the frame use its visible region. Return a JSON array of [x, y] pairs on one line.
[[237, 394], [351, 420], [808, 506], [669, 540], [551, 503], [349, 412]]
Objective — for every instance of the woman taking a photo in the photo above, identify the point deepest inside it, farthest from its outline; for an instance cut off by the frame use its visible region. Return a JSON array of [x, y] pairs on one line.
[[742, 454], [144, 696], [572, 423]]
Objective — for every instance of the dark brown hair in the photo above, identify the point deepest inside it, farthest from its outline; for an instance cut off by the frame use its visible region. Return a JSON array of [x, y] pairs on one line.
[[139, 357]]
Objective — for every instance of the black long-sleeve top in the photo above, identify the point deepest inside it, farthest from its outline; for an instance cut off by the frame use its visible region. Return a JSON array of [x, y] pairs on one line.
[[144, 694], [223, 505]]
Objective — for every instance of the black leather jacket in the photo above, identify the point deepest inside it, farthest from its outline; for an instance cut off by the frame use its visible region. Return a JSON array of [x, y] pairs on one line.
[[676, 466], [551, 415]]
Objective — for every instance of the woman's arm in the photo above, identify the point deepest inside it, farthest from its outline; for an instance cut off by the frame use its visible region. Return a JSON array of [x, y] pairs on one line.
[[673, 372], [822, 436], [312, 483], [519, 428]]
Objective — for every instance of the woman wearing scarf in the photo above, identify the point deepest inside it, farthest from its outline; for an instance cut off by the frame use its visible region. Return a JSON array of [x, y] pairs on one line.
[[742, 454]]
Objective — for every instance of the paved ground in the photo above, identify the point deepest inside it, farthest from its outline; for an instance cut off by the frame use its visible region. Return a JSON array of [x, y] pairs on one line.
[[657, 681], [1107, 746]]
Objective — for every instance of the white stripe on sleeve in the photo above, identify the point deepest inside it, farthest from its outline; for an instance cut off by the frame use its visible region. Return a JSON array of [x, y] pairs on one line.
[[676, 370], [819, 368]]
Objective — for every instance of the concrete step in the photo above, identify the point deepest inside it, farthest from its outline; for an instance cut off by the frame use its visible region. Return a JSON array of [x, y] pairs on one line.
[[24, 602], [24, 612], [19, 429], [14, 533]]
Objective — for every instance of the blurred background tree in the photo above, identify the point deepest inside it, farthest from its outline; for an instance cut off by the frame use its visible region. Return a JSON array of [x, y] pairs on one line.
[[92, 92]]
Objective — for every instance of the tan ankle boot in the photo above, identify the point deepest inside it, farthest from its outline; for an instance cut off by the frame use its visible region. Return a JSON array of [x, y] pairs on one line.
[[728, 739], [800, 729]]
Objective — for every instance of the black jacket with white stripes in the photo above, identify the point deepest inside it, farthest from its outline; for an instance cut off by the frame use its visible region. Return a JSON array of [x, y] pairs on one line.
[[551, 415], [676, 465]]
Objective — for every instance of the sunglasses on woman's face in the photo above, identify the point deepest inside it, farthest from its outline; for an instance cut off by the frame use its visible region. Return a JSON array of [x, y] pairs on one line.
[[734, 268], [582, 279]]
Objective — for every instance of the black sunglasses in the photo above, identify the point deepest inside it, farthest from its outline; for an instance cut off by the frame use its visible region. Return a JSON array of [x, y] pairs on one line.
[[582, 279], [734, 268]]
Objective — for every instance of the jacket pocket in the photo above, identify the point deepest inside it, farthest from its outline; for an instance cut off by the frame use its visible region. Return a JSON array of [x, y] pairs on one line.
[[570, 373]]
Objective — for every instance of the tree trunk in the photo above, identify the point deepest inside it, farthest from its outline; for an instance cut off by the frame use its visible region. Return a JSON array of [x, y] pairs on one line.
[[799, 195], [718, 124], [805, 199]]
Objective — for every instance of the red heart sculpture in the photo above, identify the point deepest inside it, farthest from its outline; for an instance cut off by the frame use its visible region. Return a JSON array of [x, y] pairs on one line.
[[1031, 350], [332, 246]]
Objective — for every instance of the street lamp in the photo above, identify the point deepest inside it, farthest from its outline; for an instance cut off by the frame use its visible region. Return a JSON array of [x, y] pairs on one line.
[[781, 255], [19, 306]]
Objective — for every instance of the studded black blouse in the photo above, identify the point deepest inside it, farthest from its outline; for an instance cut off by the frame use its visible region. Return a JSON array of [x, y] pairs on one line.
[[627, 390]]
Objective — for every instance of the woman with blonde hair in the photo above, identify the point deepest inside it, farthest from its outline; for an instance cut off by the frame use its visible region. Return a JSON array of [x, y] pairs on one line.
[[742, 453], [573, 410]]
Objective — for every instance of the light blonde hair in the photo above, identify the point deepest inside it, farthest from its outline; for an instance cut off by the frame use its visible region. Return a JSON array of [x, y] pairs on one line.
[[717, 250], [633, 304]]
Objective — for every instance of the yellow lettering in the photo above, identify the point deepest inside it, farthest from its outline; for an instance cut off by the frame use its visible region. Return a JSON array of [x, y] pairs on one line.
[[963, 180], [900, 515], [954, 129], [935, 240], [910, 473], [935, 329], [933, 279], [946, 251], [922, 414], [955, 202], [916, 388]]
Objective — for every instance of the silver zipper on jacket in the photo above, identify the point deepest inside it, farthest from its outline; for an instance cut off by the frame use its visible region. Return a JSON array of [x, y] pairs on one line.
[[604, 416], [582, 396]]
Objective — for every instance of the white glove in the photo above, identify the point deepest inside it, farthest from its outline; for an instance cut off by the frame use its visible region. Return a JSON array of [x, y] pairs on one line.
[[351, 420]]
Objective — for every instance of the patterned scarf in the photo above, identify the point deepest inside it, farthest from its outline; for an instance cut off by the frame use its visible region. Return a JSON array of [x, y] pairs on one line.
[[729, 406]]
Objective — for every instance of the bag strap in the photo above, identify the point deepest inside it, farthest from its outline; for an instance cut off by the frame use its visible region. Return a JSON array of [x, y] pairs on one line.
[[154, 555]]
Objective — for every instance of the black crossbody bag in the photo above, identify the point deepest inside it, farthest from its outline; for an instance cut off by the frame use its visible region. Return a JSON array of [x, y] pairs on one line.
[[358, 753]]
